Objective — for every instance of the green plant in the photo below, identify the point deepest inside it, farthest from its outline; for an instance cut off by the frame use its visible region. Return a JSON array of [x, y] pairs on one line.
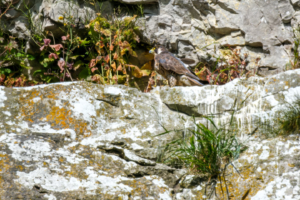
[[289, 118], [226, 68], [115, 41], [71, 50], [294, 61], [101, 56], [67, 56], [13, 59], [205, 149]]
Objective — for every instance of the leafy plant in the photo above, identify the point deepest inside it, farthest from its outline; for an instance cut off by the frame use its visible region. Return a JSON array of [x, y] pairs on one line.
[[227, 67], [101, 56], [115, 41], [61, 58], [13, 59], [294, 61]]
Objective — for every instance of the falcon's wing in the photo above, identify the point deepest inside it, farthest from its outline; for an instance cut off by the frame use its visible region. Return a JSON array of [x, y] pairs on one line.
[[169, 62]]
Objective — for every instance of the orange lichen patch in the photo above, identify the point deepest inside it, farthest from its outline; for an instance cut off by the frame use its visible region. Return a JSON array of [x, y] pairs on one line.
[[62, 118], [287, 83], [4, 163], [77, 171], [242, 186], [4, 167], [52, 95], [20, 167], [33, 101], [139, 188], [291, 165], [28, 104]]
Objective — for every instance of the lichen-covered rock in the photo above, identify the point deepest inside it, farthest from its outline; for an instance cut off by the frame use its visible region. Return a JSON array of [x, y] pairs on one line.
[[86, 141]]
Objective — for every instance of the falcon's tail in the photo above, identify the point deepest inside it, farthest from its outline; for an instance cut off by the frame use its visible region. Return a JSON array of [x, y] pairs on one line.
[[188, 81], [194, 82]]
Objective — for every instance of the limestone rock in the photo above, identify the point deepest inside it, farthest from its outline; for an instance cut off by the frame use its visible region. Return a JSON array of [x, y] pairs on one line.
[[87, 141]]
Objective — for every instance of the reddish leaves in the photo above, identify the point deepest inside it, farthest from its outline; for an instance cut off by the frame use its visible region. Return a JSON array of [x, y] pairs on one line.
[[92, 63], [107, 59], [53, 56], [46, 43], [57, 47]]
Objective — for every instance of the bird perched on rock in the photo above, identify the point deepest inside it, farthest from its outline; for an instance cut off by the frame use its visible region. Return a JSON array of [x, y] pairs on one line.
[[173, 69]]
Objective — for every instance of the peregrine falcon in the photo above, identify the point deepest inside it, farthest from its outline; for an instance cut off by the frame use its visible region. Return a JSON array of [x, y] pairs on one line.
[[173, 69]]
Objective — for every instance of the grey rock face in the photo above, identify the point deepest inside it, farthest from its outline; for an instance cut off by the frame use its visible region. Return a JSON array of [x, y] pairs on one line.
[[263, 25], [86, 141], [192, 28]]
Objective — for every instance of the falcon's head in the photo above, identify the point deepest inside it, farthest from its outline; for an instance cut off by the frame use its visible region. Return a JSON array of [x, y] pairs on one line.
[[158, 50]]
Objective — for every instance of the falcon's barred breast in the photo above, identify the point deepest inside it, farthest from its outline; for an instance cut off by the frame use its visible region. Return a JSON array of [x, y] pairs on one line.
[[173, 69]]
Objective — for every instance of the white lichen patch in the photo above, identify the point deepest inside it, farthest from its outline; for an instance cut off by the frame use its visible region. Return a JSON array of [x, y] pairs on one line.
[[57, 183], [265, 154], [82, 105], [2, 96], [165, 193], [6, 113], [50, 196], [29, 150], [46, 128], [135, 146], [109, 185], [283, 187], [43, 86], [113, 90], [131, 156], [48, 180]]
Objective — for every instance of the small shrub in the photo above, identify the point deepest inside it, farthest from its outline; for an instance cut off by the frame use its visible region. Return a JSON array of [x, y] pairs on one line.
[[294, 61], [115, 40], [206, 148], [227, 67], [289, 119]]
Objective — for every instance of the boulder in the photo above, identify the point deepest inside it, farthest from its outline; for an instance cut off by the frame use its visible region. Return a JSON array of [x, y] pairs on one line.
[[78, 140]]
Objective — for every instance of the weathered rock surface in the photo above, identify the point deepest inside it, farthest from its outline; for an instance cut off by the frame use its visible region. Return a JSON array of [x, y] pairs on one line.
[[193, 28], [86, 141]]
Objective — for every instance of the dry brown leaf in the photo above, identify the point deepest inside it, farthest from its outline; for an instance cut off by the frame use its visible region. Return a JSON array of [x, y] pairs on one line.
[[107, 59], [146, 72], [124, 71], [111, 47], [119, 68], [148, 66], [115, 56], [114, 67], [136, 71]]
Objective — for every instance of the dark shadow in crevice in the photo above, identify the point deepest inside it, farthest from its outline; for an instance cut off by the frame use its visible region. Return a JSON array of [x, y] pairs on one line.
[[184, 109]]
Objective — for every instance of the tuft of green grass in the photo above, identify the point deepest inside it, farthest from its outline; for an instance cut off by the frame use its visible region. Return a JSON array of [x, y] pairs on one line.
[[289, 120], [206, 149]]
